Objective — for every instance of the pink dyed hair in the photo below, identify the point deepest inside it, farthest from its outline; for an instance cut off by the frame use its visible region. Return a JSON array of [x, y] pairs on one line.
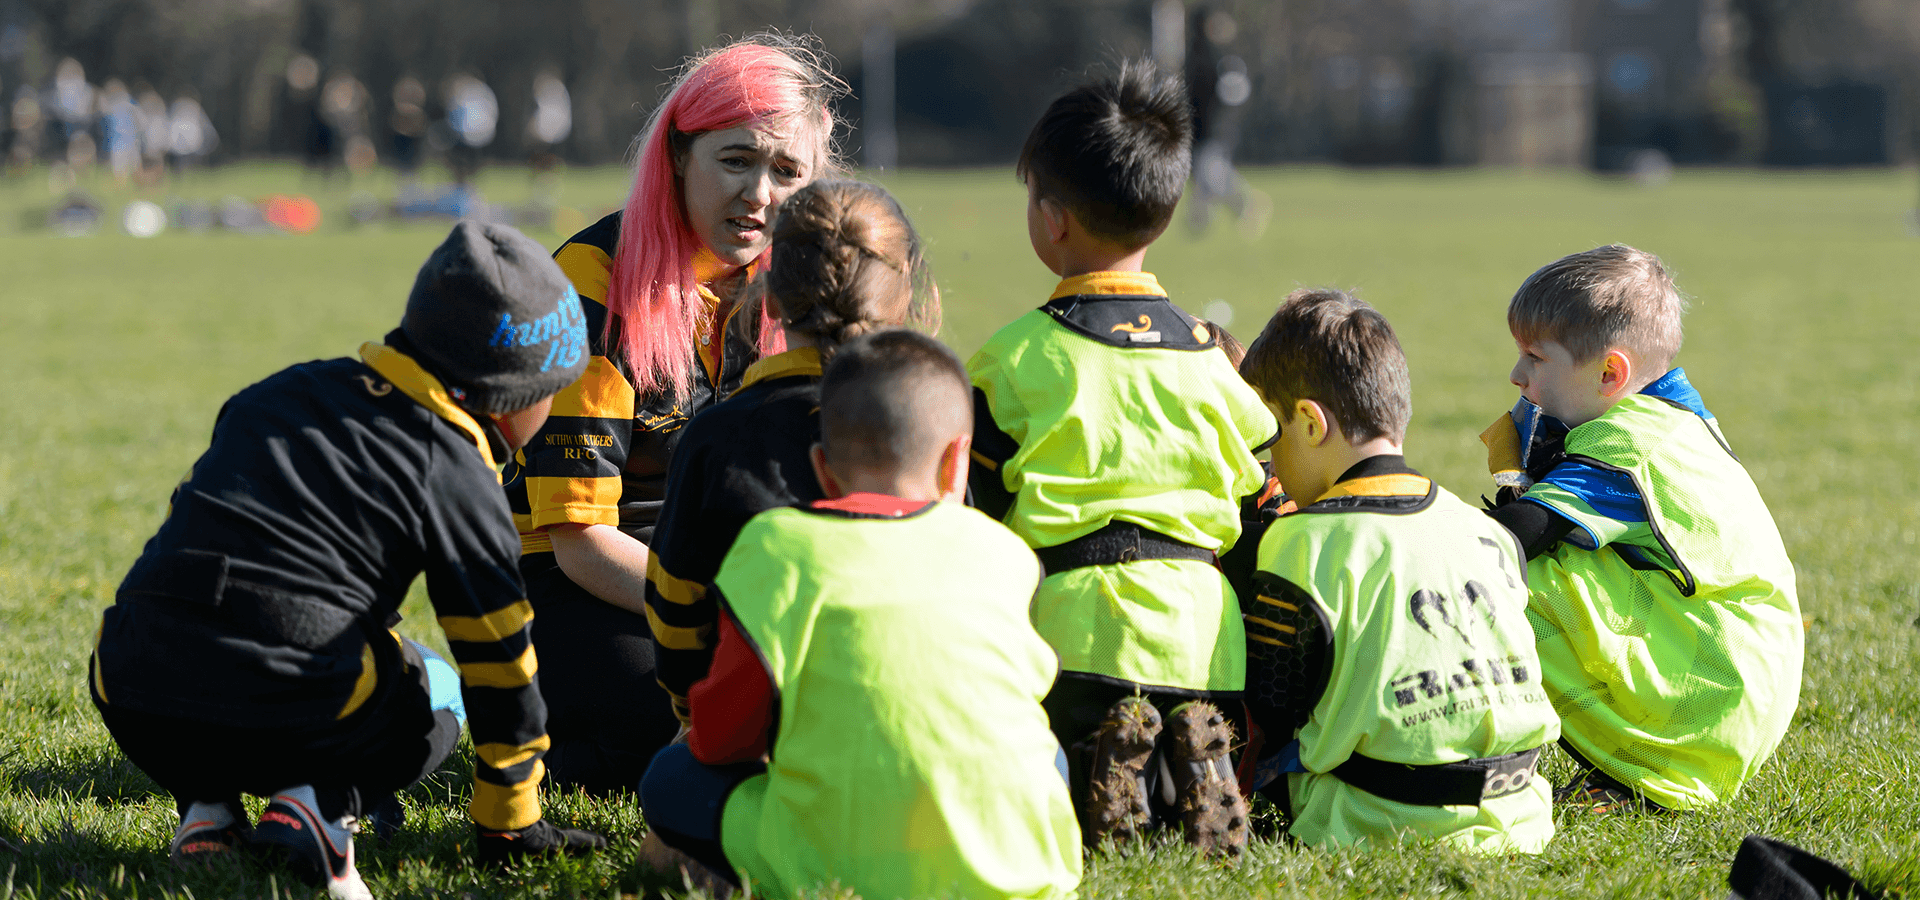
[[654, 292]]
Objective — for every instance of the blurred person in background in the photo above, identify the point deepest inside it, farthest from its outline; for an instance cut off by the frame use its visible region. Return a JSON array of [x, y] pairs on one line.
[[473, 115], [119, 130], [551, 122], [155, 135], [661, 282], [343, 105], [316, 133], [29, 129], [407, 125], [190, 135], [1219, 84], [71, 104]]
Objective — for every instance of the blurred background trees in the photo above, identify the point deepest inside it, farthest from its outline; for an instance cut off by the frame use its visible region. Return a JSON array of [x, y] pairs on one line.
[[1399, 82]]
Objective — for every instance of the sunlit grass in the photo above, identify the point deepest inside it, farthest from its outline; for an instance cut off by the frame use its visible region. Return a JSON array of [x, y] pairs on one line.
[[115, 353]]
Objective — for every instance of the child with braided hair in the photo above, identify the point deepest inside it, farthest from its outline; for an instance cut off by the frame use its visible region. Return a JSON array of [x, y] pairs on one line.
[[845, 262]]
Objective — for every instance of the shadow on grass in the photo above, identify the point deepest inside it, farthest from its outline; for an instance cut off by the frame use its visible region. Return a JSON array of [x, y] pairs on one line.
[[68, 862], [101, 775]]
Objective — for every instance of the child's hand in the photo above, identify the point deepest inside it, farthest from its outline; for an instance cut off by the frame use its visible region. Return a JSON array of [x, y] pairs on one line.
[[1504, 458]]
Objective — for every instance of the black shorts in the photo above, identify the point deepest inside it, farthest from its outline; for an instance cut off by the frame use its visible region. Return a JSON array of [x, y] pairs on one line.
[[393, 740]]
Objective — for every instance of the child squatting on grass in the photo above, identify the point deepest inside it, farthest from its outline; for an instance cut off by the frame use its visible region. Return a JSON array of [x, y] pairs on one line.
[[1113, 438], [1662, 598], [248, 650], [1388, 623], [873, 713]]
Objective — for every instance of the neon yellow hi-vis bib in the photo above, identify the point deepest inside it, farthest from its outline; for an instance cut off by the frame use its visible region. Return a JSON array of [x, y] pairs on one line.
[[912, 757], [1433, 661], [1159, 433], [1678, 680]]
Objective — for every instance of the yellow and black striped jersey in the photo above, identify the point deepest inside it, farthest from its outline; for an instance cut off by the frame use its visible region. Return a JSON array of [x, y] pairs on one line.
[[738, 459], [602, 457], [266, 597]]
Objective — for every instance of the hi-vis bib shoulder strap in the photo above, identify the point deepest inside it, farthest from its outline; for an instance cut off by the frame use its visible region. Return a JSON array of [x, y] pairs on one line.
[[1142, 322]]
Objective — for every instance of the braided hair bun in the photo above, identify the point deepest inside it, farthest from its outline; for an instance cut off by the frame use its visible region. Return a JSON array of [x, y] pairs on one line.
[[846, 262]]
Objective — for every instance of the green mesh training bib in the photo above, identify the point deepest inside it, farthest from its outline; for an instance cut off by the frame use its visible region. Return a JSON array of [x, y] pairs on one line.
[[1433, 663], [912, 757], [1157, 437], [1678, 680]]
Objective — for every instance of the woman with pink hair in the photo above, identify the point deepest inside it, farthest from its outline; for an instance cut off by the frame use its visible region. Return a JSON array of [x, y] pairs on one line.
[[662, 285]]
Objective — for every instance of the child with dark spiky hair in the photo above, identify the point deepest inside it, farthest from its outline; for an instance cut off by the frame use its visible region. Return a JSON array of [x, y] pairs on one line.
[[1113, 438]]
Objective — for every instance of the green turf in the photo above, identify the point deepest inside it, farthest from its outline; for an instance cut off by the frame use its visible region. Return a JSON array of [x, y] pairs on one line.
[[115, 353]]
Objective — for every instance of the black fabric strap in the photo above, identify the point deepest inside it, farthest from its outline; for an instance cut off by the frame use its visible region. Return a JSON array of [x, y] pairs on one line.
[[1117, 543], [1466, 783], [268, 615]]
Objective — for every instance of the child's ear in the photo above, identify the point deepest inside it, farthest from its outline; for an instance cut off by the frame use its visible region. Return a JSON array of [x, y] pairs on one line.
[[829, 485], [1056, 217], [1315, 423], [952, 474], [1616, 374]]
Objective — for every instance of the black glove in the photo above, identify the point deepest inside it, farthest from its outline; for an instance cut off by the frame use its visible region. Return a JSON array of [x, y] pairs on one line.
[[538, 838]]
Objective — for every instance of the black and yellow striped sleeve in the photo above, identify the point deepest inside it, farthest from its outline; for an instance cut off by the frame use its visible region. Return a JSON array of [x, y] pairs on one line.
[[695, 529], [683, 618], [570, 470], [494, 652], [473, 579]]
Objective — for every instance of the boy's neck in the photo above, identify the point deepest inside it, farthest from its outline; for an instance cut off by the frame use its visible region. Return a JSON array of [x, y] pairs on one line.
[[1339, 457], [1086, 255], [891, 484], [1350, 455]]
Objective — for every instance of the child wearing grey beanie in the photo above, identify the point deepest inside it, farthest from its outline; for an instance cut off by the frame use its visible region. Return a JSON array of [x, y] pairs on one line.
[[329, 487]]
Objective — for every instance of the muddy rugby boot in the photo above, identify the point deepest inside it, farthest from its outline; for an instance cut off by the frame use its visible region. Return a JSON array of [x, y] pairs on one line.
[[1115, 804], [1206, 793]]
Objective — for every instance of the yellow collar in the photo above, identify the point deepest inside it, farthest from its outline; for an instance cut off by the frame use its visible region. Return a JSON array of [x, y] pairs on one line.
[[426, 390], [707, 267], [1397, 485], [1134, 283], [800, 361]]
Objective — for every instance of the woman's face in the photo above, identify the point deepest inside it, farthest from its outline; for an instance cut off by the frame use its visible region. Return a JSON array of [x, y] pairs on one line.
[[733, 181]]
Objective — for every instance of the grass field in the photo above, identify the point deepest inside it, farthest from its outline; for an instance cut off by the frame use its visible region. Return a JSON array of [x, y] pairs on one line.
[[115, 353]]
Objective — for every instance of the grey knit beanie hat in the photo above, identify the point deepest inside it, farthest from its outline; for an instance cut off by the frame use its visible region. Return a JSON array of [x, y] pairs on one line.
[[496, 319]]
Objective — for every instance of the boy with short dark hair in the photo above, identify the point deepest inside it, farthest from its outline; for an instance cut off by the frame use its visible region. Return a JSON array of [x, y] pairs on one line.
[[1113, 438], [248, 649], [1663, 600], [872, 714], [1389, 625]]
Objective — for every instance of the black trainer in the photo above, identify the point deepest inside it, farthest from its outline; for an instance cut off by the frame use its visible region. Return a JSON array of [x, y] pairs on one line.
[[209, 834], [539, 838], [318, 849]]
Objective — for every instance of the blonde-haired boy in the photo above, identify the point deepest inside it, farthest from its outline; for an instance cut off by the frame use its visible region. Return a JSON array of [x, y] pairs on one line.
[[1662, 598]]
